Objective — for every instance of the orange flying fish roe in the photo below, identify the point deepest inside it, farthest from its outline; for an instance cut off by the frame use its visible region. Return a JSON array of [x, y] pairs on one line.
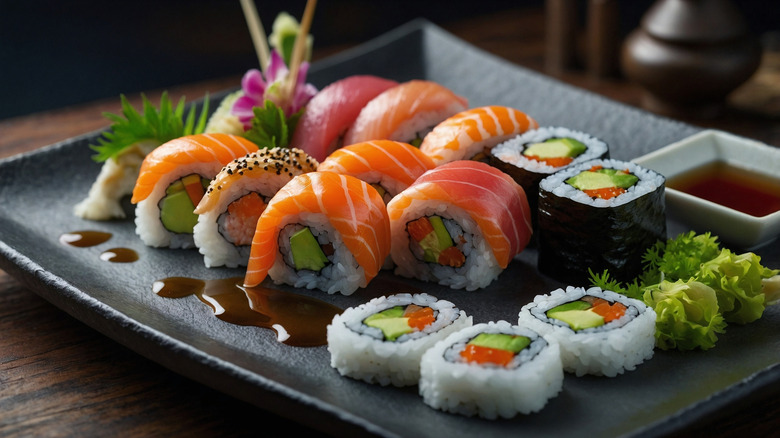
[[480, 354]]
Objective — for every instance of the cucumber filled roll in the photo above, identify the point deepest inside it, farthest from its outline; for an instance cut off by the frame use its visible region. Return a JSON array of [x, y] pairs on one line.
[[459, 225], [491, 370], [382, 341], [321, 230], [599, 215], [537, 153], [235, 198], [173, 179], [600, 332]]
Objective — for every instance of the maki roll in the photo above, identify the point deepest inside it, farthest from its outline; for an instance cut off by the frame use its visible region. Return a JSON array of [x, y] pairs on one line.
[[470, 134], [600, 332], [235, 198], [382, 341], [321, 230], [459, 225], [173, 179], [531, 156], [491, 370], [599, 215], [389, 166]]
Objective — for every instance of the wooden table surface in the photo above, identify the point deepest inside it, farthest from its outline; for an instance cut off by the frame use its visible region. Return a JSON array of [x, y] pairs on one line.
[[58, 377]]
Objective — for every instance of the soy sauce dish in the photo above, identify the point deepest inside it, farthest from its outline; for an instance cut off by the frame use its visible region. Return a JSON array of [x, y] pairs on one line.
[[722, 183]]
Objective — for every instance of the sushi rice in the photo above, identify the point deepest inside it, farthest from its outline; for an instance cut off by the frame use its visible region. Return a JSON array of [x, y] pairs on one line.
[[451, 383], [362, 352], [607, 350]]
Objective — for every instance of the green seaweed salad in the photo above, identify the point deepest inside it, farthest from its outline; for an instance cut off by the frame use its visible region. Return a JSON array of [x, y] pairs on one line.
[[697, 288]]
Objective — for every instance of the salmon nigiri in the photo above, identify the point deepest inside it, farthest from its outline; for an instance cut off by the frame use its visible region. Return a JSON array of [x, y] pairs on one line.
[[173, 179], [331, 111], [321, 230], [459, 224], [390, 166], [469, 134], [405, 113]]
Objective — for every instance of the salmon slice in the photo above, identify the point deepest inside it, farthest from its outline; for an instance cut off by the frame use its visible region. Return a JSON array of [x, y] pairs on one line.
[[492, 198], [332, 111], [355, 210], [218, 149], [393, 165], [404, 112], [469, 133]]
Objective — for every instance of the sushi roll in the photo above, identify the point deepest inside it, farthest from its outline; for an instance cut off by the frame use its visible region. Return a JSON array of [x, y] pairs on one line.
[[405, 112], [235, 198], [491, 370], [321, 230], [173, 179], [381, 341], [389, 166], [600, 332], [540, 152], [331, 111], [470, 134], [599, 215], [459, 225]]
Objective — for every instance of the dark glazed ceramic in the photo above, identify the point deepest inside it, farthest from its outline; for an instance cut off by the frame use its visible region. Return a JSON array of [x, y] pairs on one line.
[[689, 55]]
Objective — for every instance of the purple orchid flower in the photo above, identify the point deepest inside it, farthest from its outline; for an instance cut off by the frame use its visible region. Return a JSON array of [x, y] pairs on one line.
[[257, 89]]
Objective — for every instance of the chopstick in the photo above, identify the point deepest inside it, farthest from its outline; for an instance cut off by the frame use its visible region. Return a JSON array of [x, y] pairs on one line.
[[257, 32], [300, 46]]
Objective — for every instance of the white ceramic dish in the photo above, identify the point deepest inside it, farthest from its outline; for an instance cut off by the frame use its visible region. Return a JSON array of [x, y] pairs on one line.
[[731, 226]]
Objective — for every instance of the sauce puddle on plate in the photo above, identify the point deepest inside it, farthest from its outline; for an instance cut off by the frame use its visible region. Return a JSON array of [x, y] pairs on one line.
[[84, 239], [731, 186], [119, 255], [298, 320]]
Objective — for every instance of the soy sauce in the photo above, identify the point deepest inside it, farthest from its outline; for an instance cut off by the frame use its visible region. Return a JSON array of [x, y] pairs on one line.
[[84, 239], [298, 320], [119, 255]]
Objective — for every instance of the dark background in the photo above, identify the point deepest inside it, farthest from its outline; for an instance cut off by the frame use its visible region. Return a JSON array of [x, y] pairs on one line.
[[59, 53]]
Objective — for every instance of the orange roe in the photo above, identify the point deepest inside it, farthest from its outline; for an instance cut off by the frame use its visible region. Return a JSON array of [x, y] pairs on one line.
[[480, 354]]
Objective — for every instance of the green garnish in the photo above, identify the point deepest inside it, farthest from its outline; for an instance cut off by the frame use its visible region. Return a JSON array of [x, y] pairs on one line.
[[678, 272], [270, 128], [161, 126]]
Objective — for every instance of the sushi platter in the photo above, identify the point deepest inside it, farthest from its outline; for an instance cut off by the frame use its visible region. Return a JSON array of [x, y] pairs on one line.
[[660, 396]]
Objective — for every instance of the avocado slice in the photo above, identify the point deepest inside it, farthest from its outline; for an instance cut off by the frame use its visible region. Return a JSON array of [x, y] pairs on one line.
[[306, 251], [602, 179], [176, 211], [501, 341], [577, 319], [555, 148], [391, 321], [435, 242]]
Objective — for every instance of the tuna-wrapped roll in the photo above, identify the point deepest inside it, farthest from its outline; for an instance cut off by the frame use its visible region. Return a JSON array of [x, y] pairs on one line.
[[530, 157], [491, 370], [600, 332], [382, 341], [459, 225], [599, 215]]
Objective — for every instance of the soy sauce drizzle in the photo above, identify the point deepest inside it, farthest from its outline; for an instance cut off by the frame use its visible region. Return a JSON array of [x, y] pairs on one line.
[[85, 238], [298, 320], [119, 255]]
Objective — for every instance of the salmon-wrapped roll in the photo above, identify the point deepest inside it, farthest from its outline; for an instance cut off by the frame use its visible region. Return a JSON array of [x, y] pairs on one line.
[[321, 230], [389, 166], [173, 179], [471, 134], [228, 212], [459, 225]]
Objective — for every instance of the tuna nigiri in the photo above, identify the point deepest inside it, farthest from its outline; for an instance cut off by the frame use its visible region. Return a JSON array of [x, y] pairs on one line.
[[172, 181], [468, 134], [405, 113], [390, 166], [331, 111], [321, 230], [459, 224]]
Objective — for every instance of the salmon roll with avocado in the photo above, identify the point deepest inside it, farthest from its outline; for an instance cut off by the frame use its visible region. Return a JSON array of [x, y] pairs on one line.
[[491, 370], [173, 179], [382, 341], [530, 157], [599, 215], [235, 198], [600, 332]]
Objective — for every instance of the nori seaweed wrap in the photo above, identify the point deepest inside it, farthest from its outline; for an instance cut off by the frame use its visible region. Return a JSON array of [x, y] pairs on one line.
[[586, 229], [516, 157]]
